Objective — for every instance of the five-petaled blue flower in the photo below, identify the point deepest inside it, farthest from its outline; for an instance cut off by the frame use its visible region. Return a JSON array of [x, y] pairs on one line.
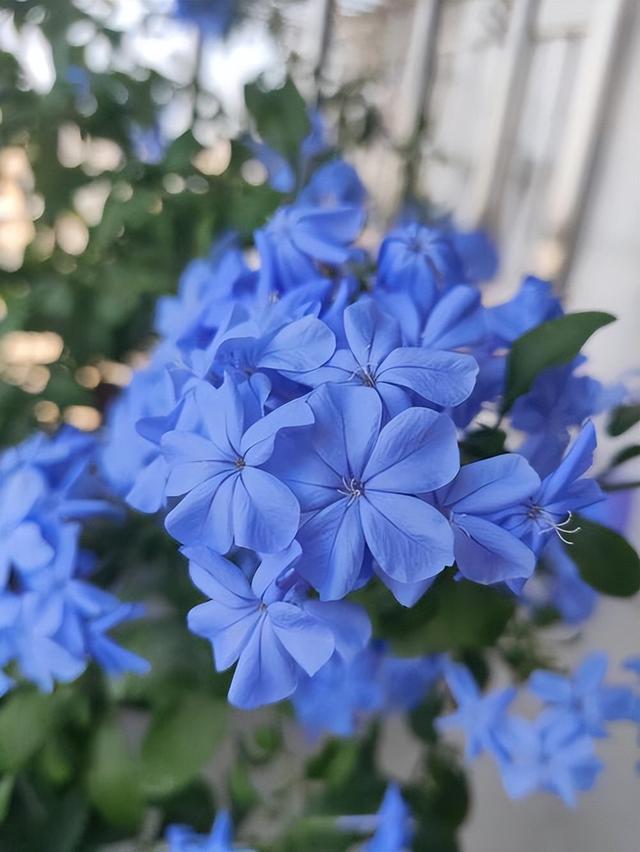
[[268, 626], [358, 484], [230, 499]]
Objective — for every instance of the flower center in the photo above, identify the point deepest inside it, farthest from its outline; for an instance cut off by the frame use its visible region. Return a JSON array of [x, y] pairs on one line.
[[240, 463], [546, 522], [351, 488], [366, 376]]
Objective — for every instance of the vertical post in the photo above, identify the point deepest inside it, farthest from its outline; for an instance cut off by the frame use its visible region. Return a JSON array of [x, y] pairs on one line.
[[418, 73], [504, 121], [325, 31], [575, 164]]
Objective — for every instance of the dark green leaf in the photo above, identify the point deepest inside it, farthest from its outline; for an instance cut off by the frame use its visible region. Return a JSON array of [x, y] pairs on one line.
[[180, 742], [551, 344], [485, 443], [606, 561], [113, 781], [6, 791], [25, 721], [280, 116], [623, 418], [625, 455]]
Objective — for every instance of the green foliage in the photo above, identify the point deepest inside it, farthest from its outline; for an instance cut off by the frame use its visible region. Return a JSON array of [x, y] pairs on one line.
[[606, 560], [551, 344], [280, 117], [454, 616], [180, 742], [623, 418]]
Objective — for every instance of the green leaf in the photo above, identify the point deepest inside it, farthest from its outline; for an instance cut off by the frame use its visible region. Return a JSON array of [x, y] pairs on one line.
[[623, 418], [6, 791], [113, 780], [25, 722], [454, 616], [551, 344], [485, 443], [606, 561], [180, 742], [280, 116], [625, 455]]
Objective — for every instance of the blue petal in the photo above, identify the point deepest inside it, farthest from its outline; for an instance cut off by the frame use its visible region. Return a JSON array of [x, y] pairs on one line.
[[299, 346], [371, 334], [332, 549], [265, 512], [204, 516], [490, 485], [347, 426], [409, 539], [416, 452], [577, 461], [349, 624], [445, 378], [486, 553], [258, 441], [28, 548], [308, 640], [265, 672], [456, 320], [222, 413]]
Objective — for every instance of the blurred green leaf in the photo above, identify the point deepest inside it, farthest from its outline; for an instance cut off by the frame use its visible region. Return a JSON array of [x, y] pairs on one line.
[[280, 116], [25, 721], [623, 418], [180, 742], [113, 779], [606, 561]]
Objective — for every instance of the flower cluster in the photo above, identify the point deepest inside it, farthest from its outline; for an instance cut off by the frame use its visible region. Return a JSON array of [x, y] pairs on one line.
[[556, 751], [53, 620], [300, 426]]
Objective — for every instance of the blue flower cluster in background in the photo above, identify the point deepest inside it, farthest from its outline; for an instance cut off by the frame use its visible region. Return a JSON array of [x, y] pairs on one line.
[[53, 619], [556, 752]]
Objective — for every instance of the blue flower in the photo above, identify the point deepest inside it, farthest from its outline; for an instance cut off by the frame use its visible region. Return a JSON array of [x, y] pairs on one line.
[[340, 695], [300, 237], [551, 754], [557, 401], [208, 287], [585, 695], [394, 832], [376, 358], [560, 586], [267, 626], [181, 838], [212, 17], [333, 185], [564, 491], [419, 261], [357, 484], [478, 253], [533, 304], [148, 143], [481, 717], [22, 543], [486, 552], [230, 499], [56, 624]]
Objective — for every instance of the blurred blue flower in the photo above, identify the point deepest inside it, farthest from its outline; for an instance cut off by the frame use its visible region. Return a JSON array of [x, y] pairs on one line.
[[301, 237], [357, 482], [585, 695], [419, 261], [552, 754], [212, 17], [181, 838], [480, 717], [533, 304], [394, 831]]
